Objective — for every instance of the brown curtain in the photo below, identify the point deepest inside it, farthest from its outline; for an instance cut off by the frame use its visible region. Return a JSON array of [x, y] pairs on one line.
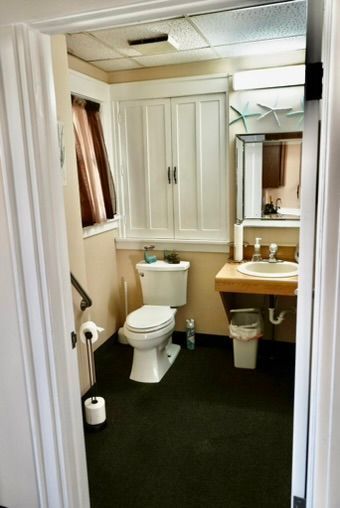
[[97, 193], [105, 174]]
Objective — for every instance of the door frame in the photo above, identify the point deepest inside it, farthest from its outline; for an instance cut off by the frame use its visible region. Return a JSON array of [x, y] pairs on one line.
[[324, 420], [53, 280]]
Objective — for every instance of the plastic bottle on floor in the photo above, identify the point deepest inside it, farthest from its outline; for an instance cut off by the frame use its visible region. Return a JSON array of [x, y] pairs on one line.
[[190, 334]]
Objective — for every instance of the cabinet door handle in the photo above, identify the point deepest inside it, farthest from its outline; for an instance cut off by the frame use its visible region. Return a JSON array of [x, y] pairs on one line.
[[175, 174], [169, 176]]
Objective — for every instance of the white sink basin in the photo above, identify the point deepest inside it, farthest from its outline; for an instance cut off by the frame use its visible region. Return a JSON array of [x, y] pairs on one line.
[[270, 270]]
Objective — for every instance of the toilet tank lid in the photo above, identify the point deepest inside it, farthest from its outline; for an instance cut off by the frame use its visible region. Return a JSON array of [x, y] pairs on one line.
[[163, 266]]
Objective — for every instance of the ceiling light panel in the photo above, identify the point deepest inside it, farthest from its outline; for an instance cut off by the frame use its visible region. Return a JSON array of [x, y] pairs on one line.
[[258, 23], [118, 64], [269, 78], [88, 48], [261, 47], [180, 30], [176, 58]]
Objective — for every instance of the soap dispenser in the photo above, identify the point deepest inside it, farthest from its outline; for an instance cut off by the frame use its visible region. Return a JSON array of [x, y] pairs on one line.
[[257, 250]]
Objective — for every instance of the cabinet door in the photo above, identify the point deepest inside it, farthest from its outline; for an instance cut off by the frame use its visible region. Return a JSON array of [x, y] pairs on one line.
[[145, 144], [274, 154], [199, 160]]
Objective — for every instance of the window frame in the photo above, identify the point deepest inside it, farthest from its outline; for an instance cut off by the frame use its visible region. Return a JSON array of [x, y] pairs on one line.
[[85, 87]]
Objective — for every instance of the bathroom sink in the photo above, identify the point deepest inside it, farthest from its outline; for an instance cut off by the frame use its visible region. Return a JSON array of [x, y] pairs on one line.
[[269, 270]]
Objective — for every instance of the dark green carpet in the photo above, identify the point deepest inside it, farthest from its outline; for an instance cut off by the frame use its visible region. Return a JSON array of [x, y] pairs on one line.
[[208, 435]]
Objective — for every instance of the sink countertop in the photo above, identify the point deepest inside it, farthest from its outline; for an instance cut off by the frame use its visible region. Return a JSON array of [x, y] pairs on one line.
[[230, 280]]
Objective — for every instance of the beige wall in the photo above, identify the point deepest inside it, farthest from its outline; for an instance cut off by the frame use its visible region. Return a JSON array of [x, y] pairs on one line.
[[225, 66], [92, 260], [83, 67], [102, 279], [71, 191], [204, 303]]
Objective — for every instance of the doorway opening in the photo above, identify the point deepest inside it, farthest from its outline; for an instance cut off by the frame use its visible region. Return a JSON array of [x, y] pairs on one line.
[[104, 63]]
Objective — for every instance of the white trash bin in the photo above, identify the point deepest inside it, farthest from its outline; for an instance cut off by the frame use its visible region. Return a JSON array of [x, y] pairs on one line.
[[246, 327]]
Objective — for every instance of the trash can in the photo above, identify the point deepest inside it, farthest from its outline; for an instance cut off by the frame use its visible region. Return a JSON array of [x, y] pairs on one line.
[[246, 327]]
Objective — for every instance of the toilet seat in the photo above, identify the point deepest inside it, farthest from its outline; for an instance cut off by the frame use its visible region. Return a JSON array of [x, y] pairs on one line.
[[150, 318]]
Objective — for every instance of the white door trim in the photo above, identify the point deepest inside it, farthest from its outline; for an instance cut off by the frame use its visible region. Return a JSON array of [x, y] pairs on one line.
[[138, 12], [34, 203], [324, 436], [307, 274], [31, 170]]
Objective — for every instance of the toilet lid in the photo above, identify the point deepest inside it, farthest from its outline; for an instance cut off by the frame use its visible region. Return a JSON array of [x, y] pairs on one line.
[[150, 318]]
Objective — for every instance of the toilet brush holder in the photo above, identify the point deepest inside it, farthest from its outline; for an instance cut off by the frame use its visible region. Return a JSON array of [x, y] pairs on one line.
[[94, 407]]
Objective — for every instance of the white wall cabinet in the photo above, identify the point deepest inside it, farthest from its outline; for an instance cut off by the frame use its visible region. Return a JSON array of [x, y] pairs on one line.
[[173, 164]]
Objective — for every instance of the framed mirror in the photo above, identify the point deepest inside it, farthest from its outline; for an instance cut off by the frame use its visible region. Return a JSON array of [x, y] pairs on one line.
[[268, 168]]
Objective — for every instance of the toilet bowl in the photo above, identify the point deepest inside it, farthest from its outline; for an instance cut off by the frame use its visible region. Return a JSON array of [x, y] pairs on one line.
[[149, 330]]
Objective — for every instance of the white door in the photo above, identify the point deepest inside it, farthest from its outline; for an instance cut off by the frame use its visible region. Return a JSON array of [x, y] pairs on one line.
[[9, 82], [145, 135], [199, 160], [305, 303], [42, 406]]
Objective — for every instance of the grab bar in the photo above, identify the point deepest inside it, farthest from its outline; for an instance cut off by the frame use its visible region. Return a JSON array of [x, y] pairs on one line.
[[86, 300]]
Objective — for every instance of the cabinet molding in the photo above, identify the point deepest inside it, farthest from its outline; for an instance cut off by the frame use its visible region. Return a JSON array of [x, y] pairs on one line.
[[164, 88]]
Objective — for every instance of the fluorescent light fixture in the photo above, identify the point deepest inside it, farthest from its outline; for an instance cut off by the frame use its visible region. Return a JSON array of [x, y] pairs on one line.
[[269, 78], [266, 47]]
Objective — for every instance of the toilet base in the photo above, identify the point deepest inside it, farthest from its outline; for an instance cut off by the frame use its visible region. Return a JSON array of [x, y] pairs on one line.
[[150, 365], [172, 351]]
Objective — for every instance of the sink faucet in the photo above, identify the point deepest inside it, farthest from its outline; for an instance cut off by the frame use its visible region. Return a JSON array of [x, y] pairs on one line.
[[272, 253]]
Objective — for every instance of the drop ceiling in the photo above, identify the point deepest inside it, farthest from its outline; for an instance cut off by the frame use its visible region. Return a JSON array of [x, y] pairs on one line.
[[265, 29]]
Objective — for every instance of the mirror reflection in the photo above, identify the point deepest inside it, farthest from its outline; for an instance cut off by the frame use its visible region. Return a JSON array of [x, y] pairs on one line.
[[268, 176]]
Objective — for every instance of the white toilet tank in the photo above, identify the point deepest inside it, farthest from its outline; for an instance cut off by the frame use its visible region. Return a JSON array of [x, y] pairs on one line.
[[164, 283]]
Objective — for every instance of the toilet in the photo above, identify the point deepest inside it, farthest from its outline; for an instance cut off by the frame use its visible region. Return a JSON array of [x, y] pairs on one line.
[[149, 329]]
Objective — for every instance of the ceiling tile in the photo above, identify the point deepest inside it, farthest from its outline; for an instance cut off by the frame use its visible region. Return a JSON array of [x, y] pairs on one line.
[[118, 64], [177, 58], [261, 47], [259, 23], [180, 29], [88, 48]]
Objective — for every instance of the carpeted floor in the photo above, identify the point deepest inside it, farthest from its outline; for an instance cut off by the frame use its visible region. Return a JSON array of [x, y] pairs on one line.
[[208, 435]]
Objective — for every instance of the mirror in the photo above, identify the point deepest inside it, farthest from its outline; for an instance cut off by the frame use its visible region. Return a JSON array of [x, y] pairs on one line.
[[268, 168]]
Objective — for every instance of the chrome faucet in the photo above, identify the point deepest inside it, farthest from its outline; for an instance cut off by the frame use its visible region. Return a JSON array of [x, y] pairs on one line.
[[272, 253]]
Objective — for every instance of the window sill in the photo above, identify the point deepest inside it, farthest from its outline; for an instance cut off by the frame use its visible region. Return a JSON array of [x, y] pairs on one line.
[[97, 229], [179, 245]]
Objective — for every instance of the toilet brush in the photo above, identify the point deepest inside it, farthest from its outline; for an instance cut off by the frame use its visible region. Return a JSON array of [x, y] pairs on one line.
[[95, 413], [121, 336]]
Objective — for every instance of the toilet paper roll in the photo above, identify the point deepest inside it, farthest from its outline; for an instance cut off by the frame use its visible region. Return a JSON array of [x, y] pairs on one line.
[[95, 412], [238, 242], [89, 326], [238, 234]]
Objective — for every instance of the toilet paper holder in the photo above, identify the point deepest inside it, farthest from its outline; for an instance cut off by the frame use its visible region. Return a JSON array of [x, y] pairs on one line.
[[94, 406]]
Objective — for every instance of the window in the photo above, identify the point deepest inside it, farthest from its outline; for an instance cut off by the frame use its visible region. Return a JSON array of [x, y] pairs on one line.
[[96, 186]]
